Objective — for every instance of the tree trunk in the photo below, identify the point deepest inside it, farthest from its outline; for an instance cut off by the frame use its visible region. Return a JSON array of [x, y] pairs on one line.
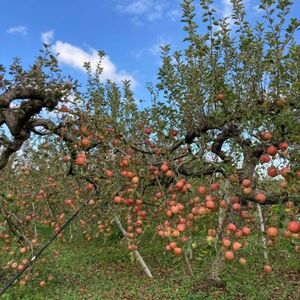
[[213, 279], [263, 230]]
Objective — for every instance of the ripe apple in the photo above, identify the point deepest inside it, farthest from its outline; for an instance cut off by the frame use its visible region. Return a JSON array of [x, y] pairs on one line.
[[261, 197], [266, 135], [265, 158], [89, 186], [231, 227], [246, 183], [80, 159], [267, 269], [20, 267], [238, 234], [42, 283], [283, 146], [271, 150], [177, 251], [272, 171], [180, 184], [64, 108], [181, 227], [236, 206], [211, 204], [174, 209], [246, 230], [236, 246], [109, 173], [201, 189], [229, 255], [223, 203], [272, 231], [219, 97], [173, 133], [285, 171], [293, 227], [118, 199], [172, 245], [23, 250], [148, 130], [226, 242], [68, 202], [215, 186]]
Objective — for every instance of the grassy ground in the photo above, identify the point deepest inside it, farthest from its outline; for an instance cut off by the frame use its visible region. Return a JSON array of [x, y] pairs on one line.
[[105, 270]]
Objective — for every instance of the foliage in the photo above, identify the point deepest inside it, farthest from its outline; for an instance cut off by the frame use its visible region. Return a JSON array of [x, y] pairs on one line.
[[211, 163]]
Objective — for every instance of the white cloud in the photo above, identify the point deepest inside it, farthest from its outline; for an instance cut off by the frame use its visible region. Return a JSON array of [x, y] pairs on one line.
[[174, 14], [156, 12], [75, 57], [155, 48], [136, 7], [47, 37], [227, 10], [137, 54], [150, 10], [18, 29]]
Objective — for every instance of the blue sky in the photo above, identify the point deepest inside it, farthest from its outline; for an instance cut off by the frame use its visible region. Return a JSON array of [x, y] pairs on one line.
[[129, 31]]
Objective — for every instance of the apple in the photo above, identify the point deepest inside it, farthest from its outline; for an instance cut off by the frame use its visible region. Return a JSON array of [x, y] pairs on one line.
[[267, 269], [229, 255], [266, 135], [272, 171], [260, 197], [293, 227], [219, 97], [246, 183], [177, 251], [283, 146], [265, 158], [271, 150], [272, 231]]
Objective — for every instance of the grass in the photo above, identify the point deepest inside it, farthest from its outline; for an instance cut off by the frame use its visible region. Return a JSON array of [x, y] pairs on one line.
[[106, 270]]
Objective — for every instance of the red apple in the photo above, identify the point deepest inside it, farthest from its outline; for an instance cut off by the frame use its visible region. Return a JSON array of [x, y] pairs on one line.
[[293, 227], [265, 158], [271, 150], [272, 171]]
